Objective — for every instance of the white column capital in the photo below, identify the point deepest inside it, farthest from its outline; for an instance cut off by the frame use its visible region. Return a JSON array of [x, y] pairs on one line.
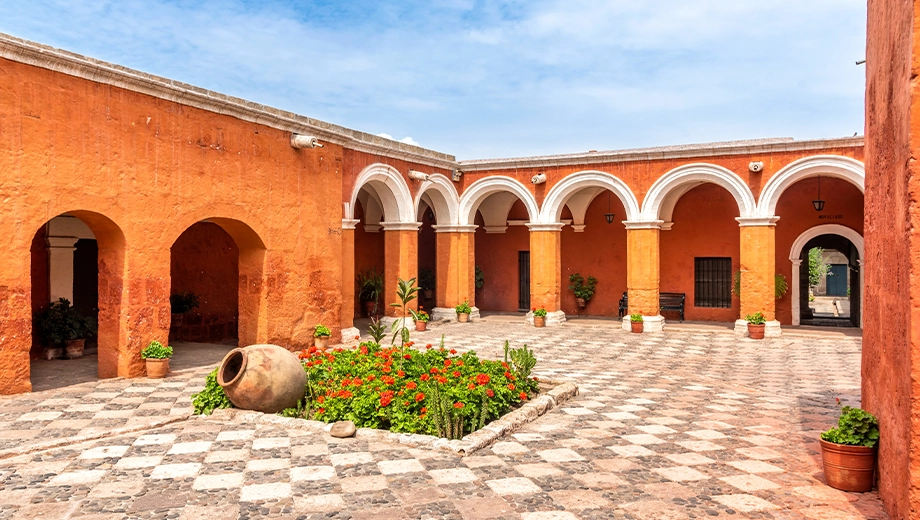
[[62, 242], [401, 226], [349, 223], [549, 226], [446, 228], [643, 224], [757, 221]]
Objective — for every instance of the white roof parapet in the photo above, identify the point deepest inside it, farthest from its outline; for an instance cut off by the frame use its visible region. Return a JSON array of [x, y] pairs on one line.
[[752, 146], [98, 71]]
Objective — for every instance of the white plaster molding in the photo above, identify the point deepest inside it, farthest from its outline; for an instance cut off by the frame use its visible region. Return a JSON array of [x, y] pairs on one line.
[[666, 226], [495, 230], [349, 223], [445, 202], [772, 329], [390, 187], [757, 221], [348, 335], [477, 192], [546, 226], [572, 184], [643, 224], [60, 266], [836, 166], [518, 222], [372, 228], [401, 226], [450, 314], [438, 228], [649, 323], [553, 319], [694, 174], [388, 321], [578, 228]]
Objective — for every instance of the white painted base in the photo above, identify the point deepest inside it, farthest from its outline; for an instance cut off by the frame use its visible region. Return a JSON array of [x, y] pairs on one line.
[[348, 335], [450, 314], [407, 322], [553, 319], [772, 330], [649, 323]]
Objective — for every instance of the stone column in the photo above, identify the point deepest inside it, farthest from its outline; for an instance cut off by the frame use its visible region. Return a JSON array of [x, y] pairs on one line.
[[758, 273], [456, 276], [347, 309], [401, 257], [643, 273], [546, 271], [60, 261]]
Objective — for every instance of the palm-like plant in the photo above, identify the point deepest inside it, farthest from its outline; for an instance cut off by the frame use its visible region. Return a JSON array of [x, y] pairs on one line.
[[405, 292]]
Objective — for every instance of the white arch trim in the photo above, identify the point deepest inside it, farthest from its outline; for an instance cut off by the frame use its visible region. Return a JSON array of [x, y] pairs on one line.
[[836, 166], [478, 191], [571, 184], [661, 198], [795, 256], [391, 189], [443, 196]]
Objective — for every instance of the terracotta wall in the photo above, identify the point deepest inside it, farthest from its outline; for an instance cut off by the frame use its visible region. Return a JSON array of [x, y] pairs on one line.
[[369, 254], [704, 226], [205, 261], [497, 256], [889, 372], [427, 256]]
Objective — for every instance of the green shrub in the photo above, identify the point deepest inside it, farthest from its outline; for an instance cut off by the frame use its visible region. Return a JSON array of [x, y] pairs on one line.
[[211, 398], [464, 308], [582, 288], [755, 319], [321, 331], [856, 427], [636, 318], [156, 350], [539, 313]]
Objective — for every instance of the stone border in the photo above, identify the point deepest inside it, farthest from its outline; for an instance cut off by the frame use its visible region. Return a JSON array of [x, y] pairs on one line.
[[560, 392]]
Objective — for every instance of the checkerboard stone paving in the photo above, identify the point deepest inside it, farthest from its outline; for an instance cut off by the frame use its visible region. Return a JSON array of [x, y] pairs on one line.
[[667, 426]]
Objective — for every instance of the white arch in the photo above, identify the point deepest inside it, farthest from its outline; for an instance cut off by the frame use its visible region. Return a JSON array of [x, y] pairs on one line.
[[443, 196], [661, 198], [559, 194], [795, 256], [827, 165], [478, 191], [391, 191]]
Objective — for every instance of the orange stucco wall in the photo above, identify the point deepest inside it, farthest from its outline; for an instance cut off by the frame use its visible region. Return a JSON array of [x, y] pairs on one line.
[[427, 258], [497, 256], [368, 255]]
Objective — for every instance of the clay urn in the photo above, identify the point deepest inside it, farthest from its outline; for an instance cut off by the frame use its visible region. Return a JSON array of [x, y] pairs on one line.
[[264, 378]]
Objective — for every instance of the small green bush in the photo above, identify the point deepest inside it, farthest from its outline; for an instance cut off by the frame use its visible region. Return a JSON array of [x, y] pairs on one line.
[[464, 308], [321, 331], [211, 398], [539, 313], [755, 319], [156, 350], [636, 318], [856, 427]]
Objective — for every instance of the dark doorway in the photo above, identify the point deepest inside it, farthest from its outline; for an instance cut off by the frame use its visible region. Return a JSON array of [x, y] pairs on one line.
[[86, 277], [835, 301], [524, 280]]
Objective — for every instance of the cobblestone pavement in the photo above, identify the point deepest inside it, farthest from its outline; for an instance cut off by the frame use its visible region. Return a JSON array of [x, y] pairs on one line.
[[667, 426]]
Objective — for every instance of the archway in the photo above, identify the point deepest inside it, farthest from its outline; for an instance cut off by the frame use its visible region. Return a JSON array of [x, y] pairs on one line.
[[850, 245], [661, 198], [78, 256], [436, 204]]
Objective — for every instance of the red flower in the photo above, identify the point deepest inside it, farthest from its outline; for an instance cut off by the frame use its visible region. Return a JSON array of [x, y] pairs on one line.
[[419, 397], [471, 386], [455, 373], [387, 380], [458, 405], [320, 399], [508, 374], [371, 377], [442, 380], [386, 369], [424, 377], [363, 350], [490, 393], [533, 309], [523, 396], [434, 370], [321, 410], [357, 338], [385, 400], [459, 363], [428, 346], [510, 386], [453, 351], [400, 373], [411, 385], [407, 356], [448, 363], [483, 379]]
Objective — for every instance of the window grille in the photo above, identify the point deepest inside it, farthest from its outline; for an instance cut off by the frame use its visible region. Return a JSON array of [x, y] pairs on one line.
[[713, 282]]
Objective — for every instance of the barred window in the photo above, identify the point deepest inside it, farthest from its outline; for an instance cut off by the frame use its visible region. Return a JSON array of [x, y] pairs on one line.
[[713, 282]]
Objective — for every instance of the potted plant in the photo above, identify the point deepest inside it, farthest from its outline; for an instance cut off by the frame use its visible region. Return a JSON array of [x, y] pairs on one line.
[[479, 277], [636, 323], [61, 327], [426, 281], [157, 357], [463, 311], [849, 451], [755, 323], [181, 303], [370, 286], [421, 319], [321, 337], [539, 317], [583, 289]]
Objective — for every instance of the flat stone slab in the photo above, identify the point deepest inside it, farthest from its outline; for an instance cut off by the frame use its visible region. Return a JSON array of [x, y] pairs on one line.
[[343, 429]]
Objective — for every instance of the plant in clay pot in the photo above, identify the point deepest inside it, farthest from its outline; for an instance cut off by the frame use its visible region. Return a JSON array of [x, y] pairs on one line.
[[463, 311], [539, 317], [421, 319], [370, 287], [321, 337], [755, 323], [157, 357], [60, 326], [636, 322], [849, 450], [426, 281], [583, 288]]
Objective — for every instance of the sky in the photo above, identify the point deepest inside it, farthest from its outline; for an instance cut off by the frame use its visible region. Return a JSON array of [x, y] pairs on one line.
[[484, 79]]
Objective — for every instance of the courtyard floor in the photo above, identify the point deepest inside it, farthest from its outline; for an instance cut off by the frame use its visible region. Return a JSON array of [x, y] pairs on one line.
[[685, 424]]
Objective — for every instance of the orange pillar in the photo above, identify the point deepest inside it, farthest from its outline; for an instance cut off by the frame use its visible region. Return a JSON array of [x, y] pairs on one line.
[[347, 308], [15, 323], [546, 271], [401, 257], [456, 270], [643, 272], [758, 272]]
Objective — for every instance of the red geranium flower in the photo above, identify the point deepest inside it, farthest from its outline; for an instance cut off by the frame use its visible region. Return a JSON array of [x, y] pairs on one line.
[[455, 373], [424, 377], [458, 405], [483, 379], [490, 393], [400, 373], [523, 396], [428, 346], [459, 363], [471, 386], [371, 377], [411, 385], [434, 370], [510, 386], [448, 363], [419, 397], [442, 380], [453, 351], [407, 356]]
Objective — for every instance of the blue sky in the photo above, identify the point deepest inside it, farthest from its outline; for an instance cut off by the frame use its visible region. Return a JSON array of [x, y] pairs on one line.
[[481, 78]]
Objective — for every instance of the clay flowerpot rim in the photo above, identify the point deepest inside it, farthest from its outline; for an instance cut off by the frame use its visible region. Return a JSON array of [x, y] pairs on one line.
[[846, 447], [239, 374]]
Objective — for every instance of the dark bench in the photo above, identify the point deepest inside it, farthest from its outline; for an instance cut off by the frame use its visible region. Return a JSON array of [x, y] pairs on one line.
[[667, 301]]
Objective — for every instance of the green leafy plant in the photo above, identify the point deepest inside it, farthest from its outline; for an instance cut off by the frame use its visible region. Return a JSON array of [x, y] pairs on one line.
[[60, 322], [817, 267], [426, 279], [522, 360], [405, 292], [755, 319], [780, 285], [539, 313], [211, 397], [582, 288], [419, 315], [480, 278], [377, 330], [182, 302], [322, 331], [370, 286], [156, 350], [464, 308], [856, 427], [636, 318]]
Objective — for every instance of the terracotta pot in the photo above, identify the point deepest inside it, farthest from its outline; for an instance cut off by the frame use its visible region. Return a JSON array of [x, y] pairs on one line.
[[157, 368], [421, 326], [539, 321], [427, 293], [321, 342], [463, 317], [848, 468], [755, 331], [369, 309], [74, 348], [50, 353], [636, 326], [265, 378], [581, 302]]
